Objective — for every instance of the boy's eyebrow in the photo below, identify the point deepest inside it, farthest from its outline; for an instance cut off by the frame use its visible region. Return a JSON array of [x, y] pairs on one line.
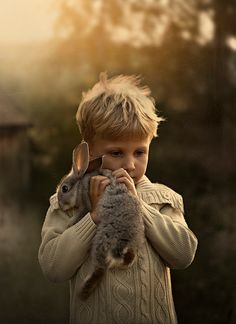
[[141, 148], [113, 148], [121, 148]]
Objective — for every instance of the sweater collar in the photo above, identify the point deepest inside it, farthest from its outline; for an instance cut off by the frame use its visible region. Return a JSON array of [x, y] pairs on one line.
[[143, 183]]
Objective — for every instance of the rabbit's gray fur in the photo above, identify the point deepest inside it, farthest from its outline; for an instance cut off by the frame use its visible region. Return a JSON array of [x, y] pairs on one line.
[[120, 232], [77, 197]]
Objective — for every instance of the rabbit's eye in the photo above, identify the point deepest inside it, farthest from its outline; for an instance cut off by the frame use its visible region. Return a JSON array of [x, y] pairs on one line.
[[64, 188]]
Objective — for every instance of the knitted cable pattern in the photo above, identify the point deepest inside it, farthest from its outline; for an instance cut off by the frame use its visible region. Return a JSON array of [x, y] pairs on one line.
[[144, 302], [122, 292], [161, 311], [84, 310], [101, 294]]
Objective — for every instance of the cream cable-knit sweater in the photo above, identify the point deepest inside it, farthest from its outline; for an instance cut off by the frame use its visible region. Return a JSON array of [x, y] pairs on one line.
[[139, 295]]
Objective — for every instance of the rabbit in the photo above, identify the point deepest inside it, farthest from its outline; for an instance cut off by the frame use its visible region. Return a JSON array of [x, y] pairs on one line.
[[73, 189], [120, 232]]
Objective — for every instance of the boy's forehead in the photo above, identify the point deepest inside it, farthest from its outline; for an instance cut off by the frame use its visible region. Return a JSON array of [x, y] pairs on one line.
[[122, 136], [122, 141]]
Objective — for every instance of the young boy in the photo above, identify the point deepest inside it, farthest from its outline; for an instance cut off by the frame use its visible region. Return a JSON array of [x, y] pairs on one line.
[[117, 118]]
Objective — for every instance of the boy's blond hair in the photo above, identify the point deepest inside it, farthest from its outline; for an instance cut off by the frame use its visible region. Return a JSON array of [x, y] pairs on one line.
[[117, 108]]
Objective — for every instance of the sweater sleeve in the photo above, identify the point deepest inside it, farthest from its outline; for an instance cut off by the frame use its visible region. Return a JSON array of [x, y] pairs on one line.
[[168, 232], [64, 248]]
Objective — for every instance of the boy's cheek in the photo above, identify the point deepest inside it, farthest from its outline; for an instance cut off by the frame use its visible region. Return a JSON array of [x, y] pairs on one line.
[[110, 164]]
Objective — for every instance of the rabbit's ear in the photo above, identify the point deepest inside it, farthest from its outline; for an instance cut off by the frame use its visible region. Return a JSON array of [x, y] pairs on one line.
[[95, 164], [81, 159]]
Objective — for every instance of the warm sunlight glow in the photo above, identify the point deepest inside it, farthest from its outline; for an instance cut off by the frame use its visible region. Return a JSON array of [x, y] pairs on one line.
[[26, 20], [206, 27], [132, 29], [231, 42]]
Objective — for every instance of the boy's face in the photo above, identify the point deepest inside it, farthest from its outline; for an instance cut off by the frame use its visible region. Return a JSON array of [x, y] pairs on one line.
[[129, 154]]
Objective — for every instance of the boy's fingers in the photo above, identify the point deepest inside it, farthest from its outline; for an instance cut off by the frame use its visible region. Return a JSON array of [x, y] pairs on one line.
[[125, 180], [121, 173], [104, 183], [97, 179], [129, 184], [98, 183], [118, 171]]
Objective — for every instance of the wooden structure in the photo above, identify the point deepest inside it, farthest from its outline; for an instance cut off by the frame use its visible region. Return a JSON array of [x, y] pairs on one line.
[[14, 149]]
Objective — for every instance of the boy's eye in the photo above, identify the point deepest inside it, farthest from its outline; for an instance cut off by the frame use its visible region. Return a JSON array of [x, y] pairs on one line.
[[139, 153], [115, 153]]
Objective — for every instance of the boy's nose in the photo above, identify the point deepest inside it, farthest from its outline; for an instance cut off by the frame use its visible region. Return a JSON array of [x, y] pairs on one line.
[[129, 165]]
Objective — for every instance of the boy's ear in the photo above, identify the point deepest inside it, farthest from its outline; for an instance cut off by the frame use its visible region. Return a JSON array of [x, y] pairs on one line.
[[80, 159]]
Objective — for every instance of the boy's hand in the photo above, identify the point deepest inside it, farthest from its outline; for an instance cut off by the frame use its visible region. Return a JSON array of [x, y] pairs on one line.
[[122, 176], [97, 186]]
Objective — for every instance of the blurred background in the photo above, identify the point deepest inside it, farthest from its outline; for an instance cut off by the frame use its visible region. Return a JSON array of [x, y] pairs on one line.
[[51, 51]]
